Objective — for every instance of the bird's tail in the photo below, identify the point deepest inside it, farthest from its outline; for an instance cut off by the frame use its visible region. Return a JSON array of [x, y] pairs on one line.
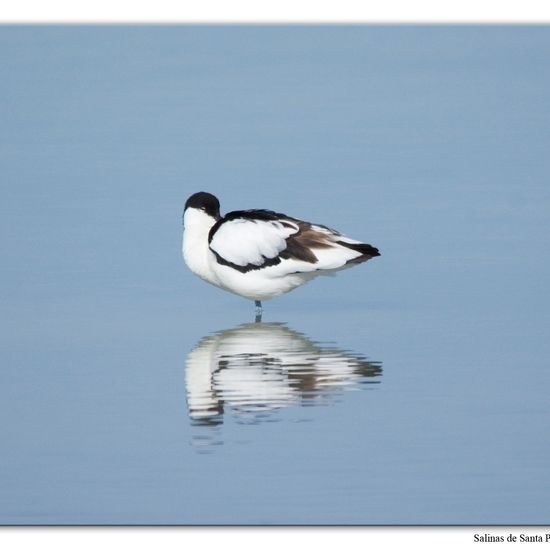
[[366, 250]]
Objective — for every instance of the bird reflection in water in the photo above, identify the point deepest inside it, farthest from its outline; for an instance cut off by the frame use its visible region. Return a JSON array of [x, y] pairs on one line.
[[255, 369]]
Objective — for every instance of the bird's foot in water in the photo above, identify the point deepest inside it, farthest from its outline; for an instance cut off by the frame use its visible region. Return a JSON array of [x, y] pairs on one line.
[[259, 311]]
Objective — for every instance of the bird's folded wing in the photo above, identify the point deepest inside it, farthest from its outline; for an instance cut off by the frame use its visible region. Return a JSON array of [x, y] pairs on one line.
[[251, 239], [254, 239]]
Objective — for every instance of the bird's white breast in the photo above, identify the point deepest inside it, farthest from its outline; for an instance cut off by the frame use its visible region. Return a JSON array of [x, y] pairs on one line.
[[196, 226]]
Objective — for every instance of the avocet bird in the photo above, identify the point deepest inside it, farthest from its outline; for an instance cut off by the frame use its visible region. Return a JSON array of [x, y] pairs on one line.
[[260, 254]]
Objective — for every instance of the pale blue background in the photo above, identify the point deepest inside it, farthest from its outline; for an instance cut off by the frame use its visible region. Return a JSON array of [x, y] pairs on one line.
[[431, 143]]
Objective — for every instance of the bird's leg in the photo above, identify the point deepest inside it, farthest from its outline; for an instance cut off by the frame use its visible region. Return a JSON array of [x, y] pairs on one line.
[[259, 310]]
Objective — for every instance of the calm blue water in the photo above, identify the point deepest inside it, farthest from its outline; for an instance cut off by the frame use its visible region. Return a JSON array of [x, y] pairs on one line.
[[412, 389]]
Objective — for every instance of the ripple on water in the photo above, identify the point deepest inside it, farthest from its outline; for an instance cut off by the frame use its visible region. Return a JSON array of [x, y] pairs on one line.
[[256, 369]]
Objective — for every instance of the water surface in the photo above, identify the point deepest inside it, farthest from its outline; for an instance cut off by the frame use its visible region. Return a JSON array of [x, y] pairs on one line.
[[412, 389]]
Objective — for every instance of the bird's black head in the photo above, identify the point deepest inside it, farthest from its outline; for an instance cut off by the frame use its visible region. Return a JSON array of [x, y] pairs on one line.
[[204, 201]]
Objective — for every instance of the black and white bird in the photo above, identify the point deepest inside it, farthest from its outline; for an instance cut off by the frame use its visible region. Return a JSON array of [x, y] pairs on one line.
[[261, 254]]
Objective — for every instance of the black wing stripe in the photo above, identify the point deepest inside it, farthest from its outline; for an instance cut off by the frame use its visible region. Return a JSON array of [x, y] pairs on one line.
[[248, 267]]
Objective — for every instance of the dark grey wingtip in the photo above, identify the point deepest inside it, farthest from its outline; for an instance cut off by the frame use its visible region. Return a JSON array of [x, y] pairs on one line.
[[363, 248]]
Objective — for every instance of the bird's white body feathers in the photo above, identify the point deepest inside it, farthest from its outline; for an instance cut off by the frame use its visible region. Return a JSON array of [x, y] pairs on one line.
[[259, 254], [196, 253]]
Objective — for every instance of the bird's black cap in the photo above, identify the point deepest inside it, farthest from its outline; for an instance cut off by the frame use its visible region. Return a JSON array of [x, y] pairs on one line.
[[204, 201]]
